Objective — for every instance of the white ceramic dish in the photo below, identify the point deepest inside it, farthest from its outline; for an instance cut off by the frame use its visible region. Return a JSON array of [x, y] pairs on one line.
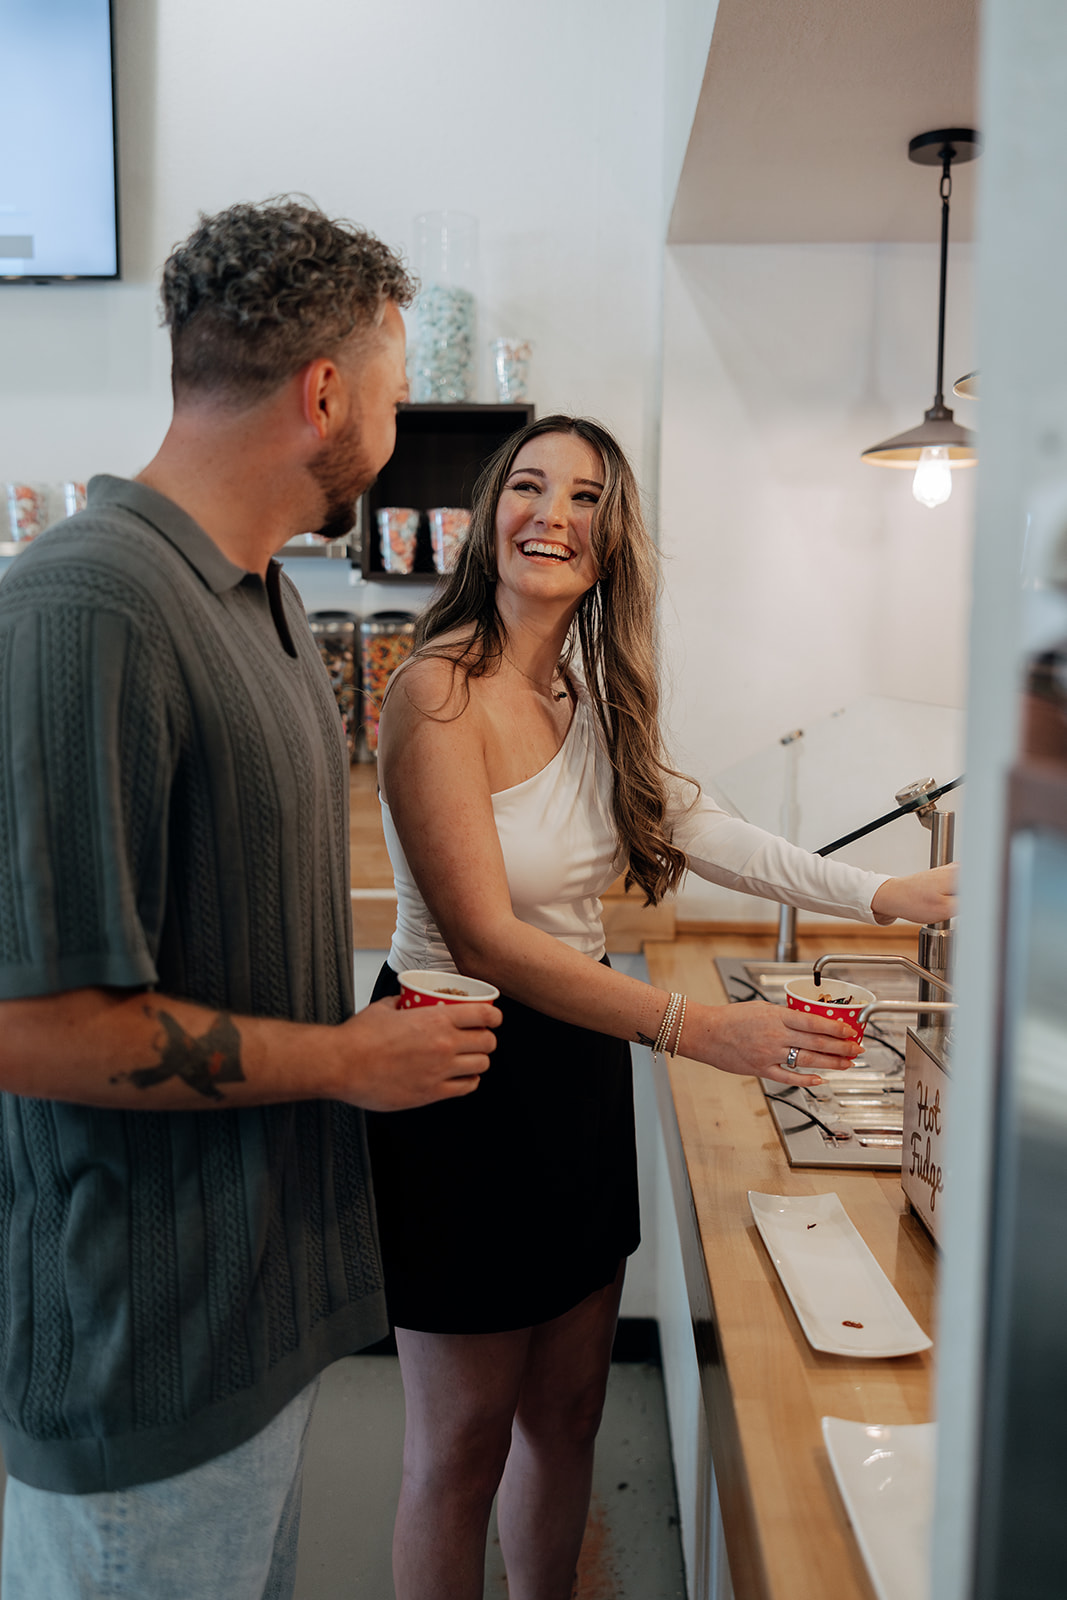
[[843, 1300], [886, 1479]]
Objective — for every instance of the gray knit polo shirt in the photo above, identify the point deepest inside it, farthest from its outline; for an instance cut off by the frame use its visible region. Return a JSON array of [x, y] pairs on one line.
[[173, 815]]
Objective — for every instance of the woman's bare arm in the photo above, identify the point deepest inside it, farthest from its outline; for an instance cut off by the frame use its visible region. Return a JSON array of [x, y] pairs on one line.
[[433, 773]]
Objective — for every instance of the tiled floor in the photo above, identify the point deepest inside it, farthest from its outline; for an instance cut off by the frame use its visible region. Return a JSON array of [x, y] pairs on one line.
[[631, 1549]]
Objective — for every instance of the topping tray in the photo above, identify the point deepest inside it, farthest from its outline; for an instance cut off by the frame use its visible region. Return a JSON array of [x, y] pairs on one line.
[[843, 1300]]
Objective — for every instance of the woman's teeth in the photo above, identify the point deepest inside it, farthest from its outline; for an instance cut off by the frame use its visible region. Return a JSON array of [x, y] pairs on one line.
[[534, 547]]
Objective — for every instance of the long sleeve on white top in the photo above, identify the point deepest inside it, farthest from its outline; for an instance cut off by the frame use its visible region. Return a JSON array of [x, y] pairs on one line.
[[737, 855]]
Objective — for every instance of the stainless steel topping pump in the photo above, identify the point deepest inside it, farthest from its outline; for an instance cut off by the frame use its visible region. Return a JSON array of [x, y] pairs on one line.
[[936, 938]]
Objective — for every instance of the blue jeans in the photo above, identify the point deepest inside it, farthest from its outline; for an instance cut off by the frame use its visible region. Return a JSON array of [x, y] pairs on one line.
[[225, 1531]]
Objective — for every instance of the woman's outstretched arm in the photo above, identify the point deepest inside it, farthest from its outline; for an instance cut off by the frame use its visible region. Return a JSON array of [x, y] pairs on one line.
[[726, 850]]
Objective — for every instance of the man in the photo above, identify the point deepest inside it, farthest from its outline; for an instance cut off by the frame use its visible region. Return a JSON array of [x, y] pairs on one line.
[[186, 1224]]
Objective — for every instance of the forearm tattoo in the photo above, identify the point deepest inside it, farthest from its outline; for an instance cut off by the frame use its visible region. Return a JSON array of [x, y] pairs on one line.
[[642, 1038], [202, 1063]]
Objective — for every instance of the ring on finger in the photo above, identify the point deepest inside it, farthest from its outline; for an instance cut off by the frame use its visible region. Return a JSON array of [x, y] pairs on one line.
[[791, 1058]]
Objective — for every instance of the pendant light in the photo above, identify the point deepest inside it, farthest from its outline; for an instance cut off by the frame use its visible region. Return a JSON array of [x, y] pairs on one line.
[[939, 444]]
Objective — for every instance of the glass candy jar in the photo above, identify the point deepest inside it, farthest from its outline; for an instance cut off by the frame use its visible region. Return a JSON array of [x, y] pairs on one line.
[[386, 639], [336, 634], [446, 262]]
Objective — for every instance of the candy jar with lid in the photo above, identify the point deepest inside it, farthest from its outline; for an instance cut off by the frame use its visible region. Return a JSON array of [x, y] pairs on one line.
[[386, 639], [446, 262], [337, 636]]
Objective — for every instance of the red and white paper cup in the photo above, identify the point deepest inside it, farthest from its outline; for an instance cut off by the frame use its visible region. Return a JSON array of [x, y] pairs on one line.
[[442, 989], [830, 998]]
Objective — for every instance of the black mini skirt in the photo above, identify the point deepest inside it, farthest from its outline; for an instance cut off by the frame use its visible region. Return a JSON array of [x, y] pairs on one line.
[[508, 1206]]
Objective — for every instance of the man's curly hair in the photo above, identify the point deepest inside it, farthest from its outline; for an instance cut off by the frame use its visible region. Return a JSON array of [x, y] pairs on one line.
[[260, 289]]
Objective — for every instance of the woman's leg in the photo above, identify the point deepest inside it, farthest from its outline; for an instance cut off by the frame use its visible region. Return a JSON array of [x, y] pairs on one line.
[[460, 1394], [544, 1496]]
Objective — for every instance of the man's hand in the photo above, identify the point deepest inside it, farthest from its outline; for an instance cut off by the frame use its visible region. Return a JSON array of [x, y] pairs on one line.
[[150, 1052], [392, 1060]]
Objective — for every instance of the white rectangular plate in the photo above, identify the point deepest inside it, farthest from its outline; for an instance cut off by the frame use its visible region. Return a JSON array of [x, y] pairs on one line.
[[886, 1479], [832, 1279]]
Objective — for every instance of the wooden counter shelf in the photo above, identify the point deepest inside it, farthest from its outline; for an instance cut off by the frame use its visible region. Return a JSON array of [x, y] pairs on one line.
[[764, 1388]]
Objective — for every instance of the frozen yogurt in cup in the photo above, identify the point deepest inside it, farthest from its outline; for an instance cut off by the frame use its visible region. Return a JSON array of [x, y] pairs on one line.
[[833, 997], [442, 989]]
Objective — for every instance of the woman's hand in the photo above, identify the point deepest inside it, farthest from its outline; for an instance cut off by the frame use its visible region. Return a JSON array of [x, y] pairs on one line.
[[924, 897], [756, 1038]]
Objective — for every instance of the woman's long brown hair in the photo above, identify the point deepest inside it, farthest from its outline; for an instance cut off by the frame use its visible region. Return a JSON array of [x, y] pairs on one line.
[[612, 637]]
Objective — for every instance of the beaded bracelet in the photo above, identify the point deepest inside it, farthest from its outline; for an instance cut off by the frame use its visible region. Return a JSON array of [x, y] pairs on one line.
[[667, 1024], [677, 1045], [669, 1036]]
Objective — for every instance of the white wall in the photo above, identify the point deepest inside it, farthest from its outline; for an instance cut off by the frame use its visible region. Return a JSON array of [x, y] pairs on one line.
[[526, 119], [799, 578]]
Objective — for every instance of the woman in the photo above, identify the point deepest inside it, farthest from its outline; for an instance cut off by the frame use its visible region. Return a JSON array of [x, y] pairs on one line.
[[521, 769]]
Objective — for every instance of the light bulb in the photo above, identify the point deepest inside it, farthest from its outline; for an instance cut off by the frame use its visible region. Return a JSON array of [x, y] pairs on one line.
[[932, 483]]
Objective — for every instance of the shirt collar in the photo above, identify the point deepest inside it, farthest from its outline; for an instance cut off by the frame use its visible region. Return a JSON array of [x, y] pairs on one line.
[[218, 572]]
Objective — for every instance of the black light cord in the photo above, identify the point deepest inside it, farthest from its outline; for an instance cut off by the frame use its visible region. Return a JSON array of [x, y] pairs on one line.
[[946, 190]]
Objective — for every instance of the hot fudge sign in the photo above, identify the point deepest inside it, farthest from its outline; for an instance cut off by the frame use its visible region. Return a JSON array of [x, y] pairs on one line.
[[926, 1085]]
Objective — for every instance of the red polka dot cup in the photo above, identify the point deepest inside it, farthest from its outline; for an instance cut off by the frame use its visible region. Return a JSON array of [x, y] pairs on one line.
[[830, 998], [442, 989]]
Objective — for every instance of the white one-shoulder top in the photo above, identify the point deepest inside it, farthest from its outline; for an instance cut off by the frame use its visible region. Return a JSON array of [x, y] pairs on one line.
[[560, 850]]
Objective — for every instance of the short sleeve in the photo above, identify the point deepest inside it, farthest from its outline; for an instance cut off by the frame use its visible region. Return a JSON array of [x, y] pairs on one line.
[[737, 855], [85, 789]]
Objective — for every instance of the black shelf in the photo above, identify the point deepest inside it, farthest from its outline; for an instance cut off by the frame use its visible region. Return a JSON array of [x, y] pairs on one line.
[[335, 550], [440, 450]]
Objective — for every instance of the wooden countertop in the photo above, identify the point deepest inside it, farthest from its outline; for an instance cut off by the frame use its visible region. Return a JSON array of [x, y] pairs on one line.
[[765, 1389]]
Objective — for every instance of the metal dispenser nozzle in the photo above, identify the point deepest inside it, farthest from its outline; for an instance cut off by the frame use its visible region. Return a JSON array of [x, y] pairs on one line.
[[935, 939]]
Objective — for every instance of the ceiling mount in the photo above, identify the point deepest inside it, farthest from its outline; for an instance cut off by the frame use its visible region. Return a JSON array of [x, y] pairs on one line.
[[928, 149]]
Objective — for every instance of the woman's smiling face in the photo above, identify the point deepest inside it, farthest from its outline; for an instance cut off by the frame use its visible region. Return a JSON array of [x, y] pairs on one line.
[[544, 518]]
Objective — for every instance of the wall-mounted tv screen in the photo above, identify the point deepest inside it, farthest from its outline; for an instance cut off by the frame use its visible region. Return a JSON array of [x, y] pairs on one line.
[[58, 207]]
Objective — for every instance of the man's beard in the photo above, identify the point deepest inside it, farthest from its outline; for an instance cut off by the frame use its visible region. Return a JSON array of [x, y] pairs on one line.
[[341, 475]]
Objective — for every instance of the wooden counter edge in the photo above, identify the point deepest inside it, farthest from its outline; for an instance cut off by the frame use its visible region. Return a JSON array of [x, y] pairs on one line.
[[753, 1507]]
